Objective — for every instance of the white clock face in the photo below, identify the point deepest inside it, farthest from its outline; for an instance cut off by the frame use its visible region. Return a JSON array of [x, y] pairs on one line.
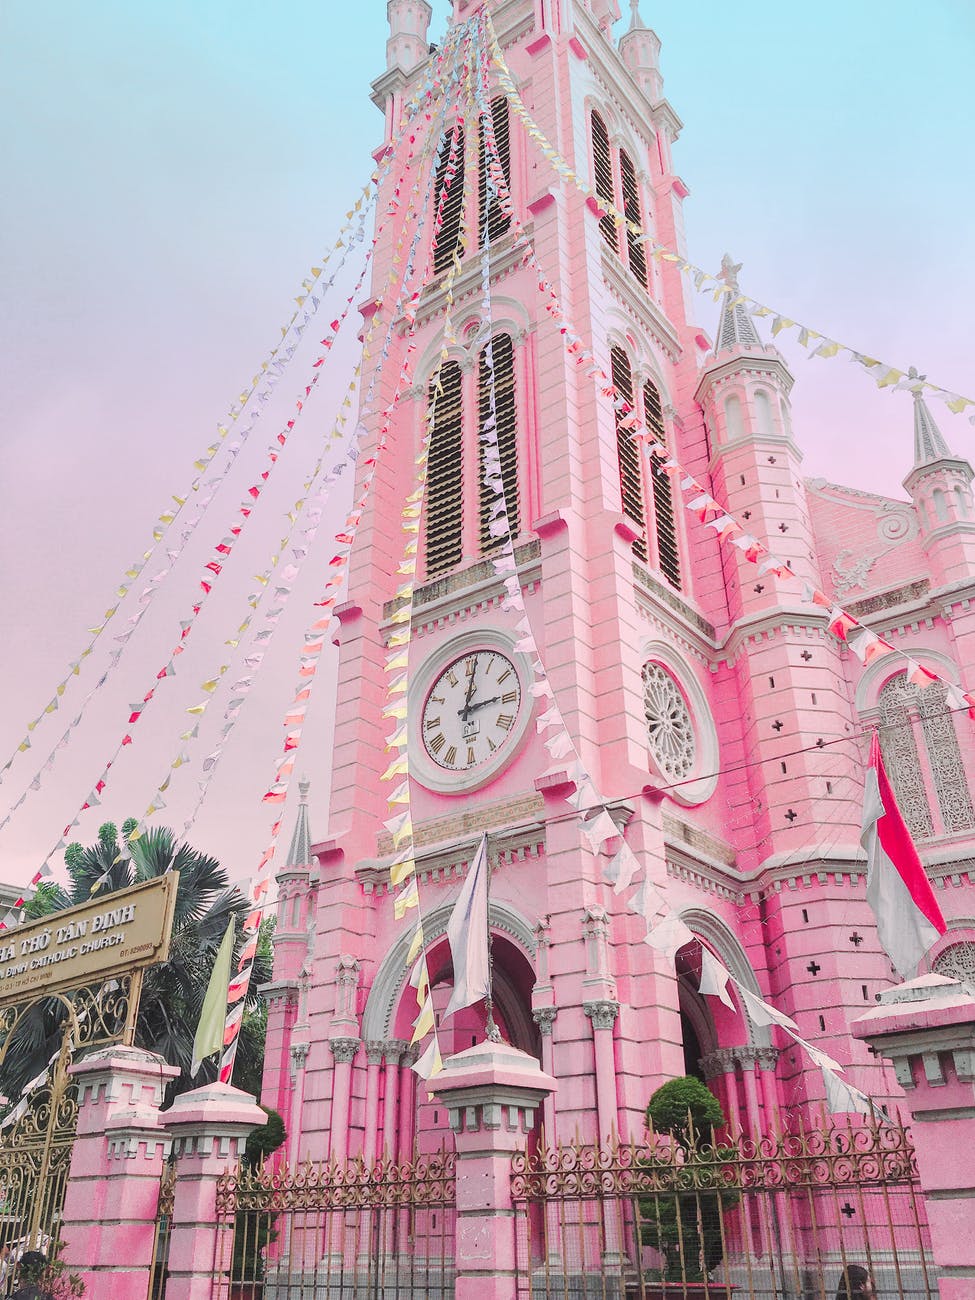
[[470, 711]]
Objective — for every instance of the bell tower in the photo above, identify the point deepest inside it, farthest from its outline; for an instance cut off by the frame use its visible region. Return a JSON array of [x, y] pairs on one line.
[[561, 634]]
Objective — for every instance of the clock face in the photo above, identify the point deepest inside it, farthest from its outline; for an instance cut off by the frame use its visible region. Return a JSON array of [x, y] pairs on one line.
[[470, 711]]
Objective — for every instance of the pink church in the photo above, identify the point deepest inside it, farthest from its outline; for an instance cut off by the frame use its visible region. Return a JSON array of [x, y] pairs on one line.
[[724, 726]]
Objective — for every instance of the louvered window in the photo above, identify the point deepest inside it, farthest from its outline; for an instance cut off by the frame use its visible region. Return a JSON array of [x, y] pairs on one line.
[[603, 173], [631, 210], [665, 524], [450, 168], [495, 223], [503, 354], [631, 489], [445, 471]]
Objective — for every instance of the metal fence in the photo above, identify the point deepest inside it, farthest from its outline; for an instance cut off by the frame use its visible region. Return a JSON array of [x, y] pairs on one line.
[[320, 1232], [786, 1217]]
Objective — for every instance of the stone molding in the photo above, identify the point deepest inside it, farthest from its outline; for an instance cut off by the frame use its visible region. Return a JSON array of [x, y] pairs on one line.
[[375, 1051], [544, 1017], [394, 1049], [725, 1060], [602, 1012], [299, 1055], [344, 1049]]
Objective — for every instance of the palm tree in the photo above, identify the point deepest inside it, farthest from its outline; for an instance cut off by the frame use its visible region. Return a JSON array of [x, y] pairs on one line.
[[172, 992]]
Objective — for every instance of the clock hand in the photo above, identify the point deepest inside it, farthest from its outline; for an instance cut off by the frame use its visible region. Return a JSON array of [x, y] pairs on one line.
[[482, 704], [462, 713]]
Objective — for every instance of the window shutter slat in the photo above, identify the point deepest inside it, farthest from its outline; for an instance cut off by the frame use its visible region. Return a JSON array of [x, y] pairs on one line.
[[631, 210], [453, 208], [602, 167], [665, 523], [507, 426], [497, 223], [444, 512], [631, 488]]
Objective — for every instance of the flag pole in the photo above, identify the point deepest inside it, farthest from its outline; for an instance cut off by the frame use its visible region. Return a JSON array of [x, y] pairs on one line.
[[492, 1033]]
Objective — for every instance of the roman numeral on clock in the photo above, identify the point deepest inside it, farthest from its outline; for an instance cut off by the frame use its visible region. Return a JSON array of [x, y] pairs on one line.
[[509, 697], [504, 720], [438, 743], [504, 676], [450, 758], [432, 724], [470, 756]]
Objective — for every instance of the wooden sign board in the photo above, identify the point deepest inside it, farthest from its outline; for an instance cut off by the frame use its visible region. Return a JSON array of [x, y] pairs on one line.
[[88, 944]]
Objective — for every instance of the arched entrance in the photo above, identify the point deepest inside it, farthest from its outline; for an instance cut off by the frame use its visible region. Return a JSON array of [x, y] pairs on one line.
[[513, 980]]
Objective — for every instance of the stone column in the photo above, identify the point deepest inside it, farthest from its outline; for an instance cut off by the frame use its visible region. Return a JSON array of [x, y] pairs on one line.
[[296, 1066], [544, 1017], [747, 1059], [109, 1217], [344, 1050], [603, 1012], [392, 1050], [208, 1127], [491, 1092], [374, 1056], [927, 1029]]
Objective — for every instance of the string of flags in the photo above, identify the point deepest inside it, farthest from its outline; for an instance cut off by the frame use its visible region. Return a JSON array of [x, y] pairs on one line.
[[818, 344], [406, 307]]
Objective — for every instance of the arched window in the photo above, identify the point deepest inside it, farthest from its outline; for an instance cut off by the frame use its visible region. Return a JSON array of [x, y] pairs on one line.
[[940, 505], [445, 500], [492, 222], [631, 486], [633, 213], [451, 150], [763, 414], [502, 361], [962, 501], [602, 166], [900, 704], [957, 962], [732, 416], [665, 525]]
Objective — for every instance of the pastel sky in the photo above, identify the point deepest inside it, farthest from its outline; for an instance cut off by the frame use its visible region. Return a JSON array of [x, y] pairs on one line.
[[171, 170]]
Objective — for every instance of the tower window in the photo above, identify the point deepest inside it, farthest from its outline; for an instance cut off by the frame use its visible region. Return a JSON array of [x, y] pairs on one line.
[[631, 488], [602, 167], [763, 414], [502, 355], [665, 523], [445, 500], [632, 211], [493, 222], [451, 151], [900, 704], [940, 505]]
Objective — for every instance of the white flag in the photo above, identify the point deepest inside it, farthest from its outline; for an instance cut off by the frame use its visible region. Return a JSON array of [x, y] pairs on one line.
[[714, 978], [467, 933]]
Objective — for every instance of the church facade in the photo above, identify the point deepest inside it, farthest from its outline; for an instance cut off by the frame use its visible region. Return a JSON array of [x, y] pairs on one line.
[[724, 725]]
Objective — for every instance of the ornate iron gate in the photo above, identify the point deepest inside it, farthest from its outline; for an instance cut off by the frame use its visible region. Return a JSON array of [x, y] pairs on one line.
[[37, 1134], [780, 1218], [322, 1232]]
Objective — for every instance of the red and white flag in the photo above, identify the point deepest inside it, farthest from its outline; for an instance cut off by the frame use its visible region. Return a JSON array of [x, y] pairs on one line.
[[909, 919]]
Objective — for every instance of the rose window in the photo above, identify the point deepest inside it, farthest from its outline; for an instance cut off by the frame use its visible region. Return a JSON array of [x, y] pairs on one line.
[[669, 728]]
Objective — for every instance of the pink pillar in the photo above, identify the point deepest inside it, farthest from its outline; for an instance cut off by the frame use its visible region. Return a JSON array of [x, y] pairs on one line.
[[603, 1012], [344, 1050], [407, 1106], [544, 1017], [747, 1058], [767, 1057], [109, 1217], [209, 1127], [374, 1055], [927, 1029], [299, 1059], [392, 1050], [491, 1092]]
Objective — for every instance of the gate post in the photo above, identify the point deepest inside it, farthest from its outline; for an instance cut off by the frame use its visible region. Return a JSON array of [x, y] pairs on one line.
[[927, 1029], [491, 1092], [109, 1218], [209, 1127]]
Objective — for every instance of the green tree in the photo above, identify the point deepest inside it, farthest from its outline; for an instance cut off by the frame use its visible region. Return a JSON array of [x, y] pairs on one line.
[[172, 992], [683, 1220]]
